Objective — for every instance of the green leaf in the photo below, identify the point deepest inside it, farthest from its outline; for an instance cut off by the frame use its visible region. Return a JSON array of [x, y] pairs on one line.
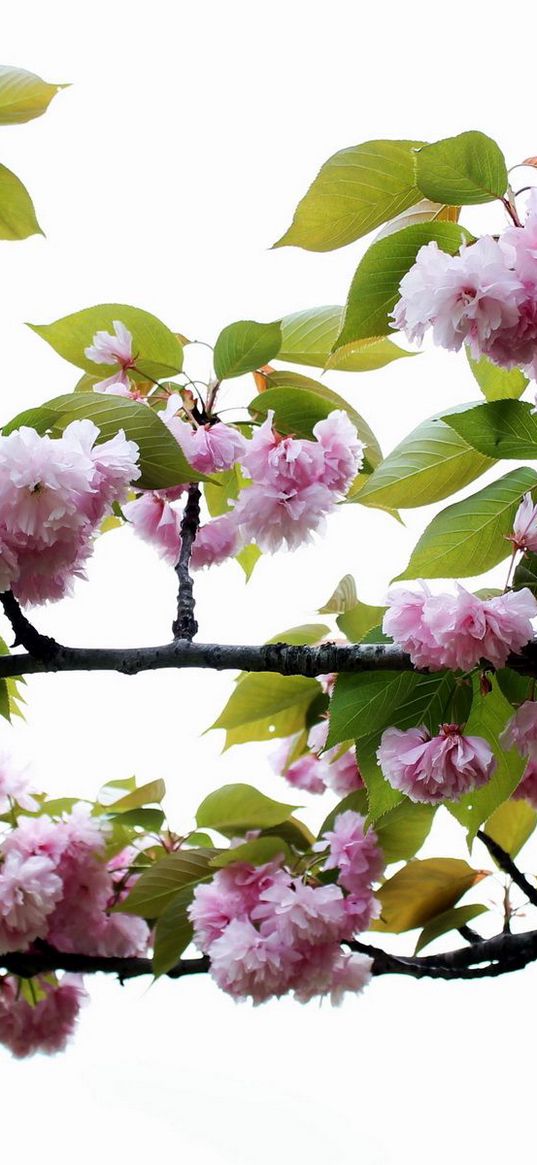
[[526, 573], [222, 490], [402, 831], [149, 794], [294, 832], [173, 932], [449, 920], [237, 808], [514, 687], [257, 852], [23, 95], [358, 620], [248, 558], [462, 171], [309, 336], [342, 599], [469, 537], [497, 383], [430, 464], [157, 885], [511, 825], [355, 191], [364, 705], [157, 350], [421, 891], [265, 706], [423, 211], [161, 460], [151, 820], [300, 402], [501, 429], [374, 290], [488, 719], [245, 346], [17, 214]]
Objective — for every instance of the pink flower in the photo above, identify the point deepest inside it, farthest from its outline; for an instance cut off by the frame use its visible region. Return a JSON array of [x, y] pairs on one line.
[[43, 483], [354, 851], [215, 542], [326, 970], [466, 298], [527, 789], [155, 521], [274, 518], [457, 631], [109, 348], [302, 914], [47, 573], [119, 936], [342, 773], [524, 536], [520, 731], [519, 245], [245, 963], [209, 448], [350, 973], [114, 465], [48, 1025], [308, 772], [14, 784], [283, 463], [29, 891], [342, 449], [232, 893], [441, 768]]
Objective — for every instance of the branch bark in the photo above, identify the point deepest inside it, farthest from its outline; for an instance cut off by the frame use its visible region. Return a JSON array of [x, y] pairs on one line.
[[185, 625], [488, 958], [506, 863], [47, 656]]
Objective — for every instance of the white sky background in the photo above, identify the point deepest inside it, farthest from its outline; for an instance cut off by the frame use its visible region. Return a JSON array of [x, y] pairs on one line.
[[161, 178]]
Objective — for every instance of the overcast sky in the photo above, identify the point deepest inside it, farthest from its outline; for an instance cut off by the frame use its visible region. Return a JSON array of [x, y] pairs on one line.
[[161, 178]]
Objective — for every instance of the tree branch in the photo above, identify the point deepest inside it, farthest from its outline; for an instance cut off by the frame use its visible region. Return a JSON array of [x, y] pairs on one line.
[[506, 863], [488, 958], [185, 625], [26, 634]]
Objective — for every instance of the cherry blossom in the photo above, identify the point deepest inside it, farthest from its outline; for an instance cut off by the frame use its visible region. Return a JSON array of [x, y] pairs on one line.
[[48, 1024], [524, 536], [112, 348], [438, 768]]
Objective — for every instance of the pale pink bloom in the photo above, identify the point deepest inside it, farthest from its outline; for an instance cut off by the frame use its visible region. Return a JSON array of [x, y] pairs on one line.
[[115, 462], [48, 1025], [209, 448], [527, 789], [232, 893], [47, 572], [441, 768], [309, 772], [519, 245], [283, 463], [43, 482], [302, 914], [466, 298], [515, 346], [37, 837], [155, 520], [361, 909], [117, 385], [29, 891], [14, 784], [350, 973], [354, 851], [457, 631], [342, 772], [9, 567], [110, 348], [245, 963], [520, 731], [119, 936], [524, 536], [275, 519], [215, 542], [343, 451]]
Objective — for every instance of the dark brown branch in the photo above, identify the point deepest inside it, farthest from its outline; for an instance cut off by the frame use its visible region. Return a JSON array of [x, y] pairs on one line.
[[283, 658], [26, 635], [185, 625], [487, 958], [506, 863]]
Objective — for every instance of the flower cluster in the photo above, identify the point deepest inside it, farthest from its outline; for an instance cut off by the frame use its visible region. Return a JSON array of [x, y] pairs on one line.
[[485, 296], [316, 770], [439, 768], [292, 484], [521, 733], [268, 933], [54, 492], [458, 631], [114, 348], [42, 1024]]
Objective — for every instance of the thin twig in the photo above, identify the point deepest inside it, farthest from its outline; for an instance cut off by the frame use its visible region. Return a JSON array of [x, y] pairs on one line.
[[185, 625], [506, 863]]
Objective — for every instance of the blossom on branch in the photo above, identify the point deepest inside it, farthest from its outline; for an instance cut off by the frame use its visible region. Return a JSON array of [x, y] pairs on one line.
[[45, 1025], [438, 768]]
